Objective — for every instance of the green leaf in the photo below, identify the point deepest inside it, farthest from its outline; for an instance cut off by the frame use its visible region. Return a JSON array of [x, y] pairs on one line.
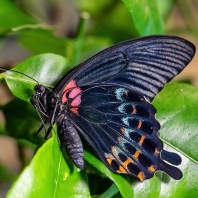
[[165, 7], [93, 45], [146, 16], [43, 41], [178, 114], [11, 16], [48, 175], [21, 124], [113, 190], [114, 10], [79, 40], [47, 69], [121, 182]]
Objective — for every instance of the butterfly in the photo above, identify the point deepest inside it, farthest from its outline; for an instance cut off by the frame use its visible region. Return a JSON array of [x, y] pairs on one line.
[[106, 100]]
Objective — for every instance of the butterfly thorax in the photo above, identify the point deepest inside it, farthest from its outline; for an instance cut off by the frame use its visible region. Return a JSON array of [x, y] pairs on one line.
[[47, 103]]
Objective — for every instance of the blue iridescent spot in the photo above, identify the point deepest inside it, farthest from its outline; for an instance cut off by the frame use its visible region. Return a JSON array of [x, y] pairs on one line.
[[121, 108], [119, 93], [125, 120], [126, 130]]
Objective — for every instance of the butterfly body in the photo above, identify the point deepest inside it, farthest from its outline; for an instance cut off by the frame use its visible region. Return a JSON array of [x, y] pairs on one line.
[[107, 98]]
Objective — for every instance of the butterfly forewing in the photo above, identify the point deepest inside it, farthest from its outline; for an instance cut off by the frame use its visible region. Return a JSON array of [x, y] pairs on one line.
[[144, 64]]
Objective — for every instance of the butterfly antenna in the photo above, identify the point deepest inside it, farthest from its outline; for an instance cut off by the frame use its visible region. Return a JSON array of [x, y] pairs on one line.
[[4, 69]]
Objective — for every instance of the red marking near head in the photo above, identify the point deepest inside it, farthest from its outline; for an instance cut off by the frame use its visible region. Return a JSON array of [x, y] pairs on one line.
[[76, 101], [74, 110], [74, 93], [70, 85]]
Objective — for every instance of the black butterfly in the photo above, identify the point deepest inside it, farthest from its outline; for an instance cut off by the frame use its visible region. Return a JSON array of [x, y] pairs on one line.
[[107, 99]]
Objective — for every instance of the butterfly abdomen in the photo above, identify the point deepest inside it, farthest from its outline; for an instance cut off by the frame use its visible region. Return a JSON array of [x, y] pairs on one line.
[[70, 141]]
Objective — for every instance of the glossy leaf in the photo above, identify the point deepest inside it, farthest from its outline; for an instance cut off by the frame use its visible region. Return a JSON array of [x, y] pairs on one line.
[[48, 175], [47, 69], [177, 109], [146, 16]]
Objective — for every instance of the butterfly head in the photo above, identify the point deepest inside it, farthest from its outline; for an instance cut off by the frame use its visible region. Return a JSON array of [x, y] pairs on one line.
[[39, 92], [39, 89]]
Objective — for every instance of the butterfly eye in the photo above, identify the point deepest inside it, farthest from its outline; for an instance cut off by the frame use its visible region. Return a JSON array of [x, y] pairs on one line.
[[39, 89]]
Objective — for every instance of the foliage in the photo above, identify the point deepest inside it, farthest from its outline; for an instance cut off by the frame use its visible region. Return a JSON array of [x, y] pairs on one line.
[[48, 174]]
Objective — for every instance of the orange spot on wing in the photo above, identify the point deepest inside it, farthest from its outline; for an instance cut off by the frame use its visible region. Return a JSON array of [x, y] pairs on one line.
[[139, 124], [136, 155], [151, 168], [141, 176], [121, 170], [134, 110], [157, 151], [127, 162], [113, 147], [142, 140], [110, 159], [122, 130]]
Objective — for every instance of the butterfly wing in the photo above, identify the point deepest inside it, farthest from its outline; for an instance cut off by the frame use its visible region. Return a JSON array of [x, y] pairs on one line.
[[108, 97], [121, 127], [144, 65]]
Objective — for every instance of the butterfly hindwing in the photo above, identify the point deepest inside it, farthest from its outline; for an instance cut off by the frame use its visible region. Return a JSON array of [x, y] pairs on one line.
[[121, 126]]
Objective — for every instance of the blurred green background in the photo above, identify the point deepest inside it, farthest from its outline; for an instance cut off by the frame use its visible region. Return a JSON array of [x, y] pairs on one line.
[[76, 30]]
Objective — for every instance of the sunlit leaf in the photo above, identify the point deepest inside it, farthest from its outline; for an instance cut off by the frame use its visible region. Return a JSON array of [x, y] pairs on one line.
[[146, 16], [48, 175]]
